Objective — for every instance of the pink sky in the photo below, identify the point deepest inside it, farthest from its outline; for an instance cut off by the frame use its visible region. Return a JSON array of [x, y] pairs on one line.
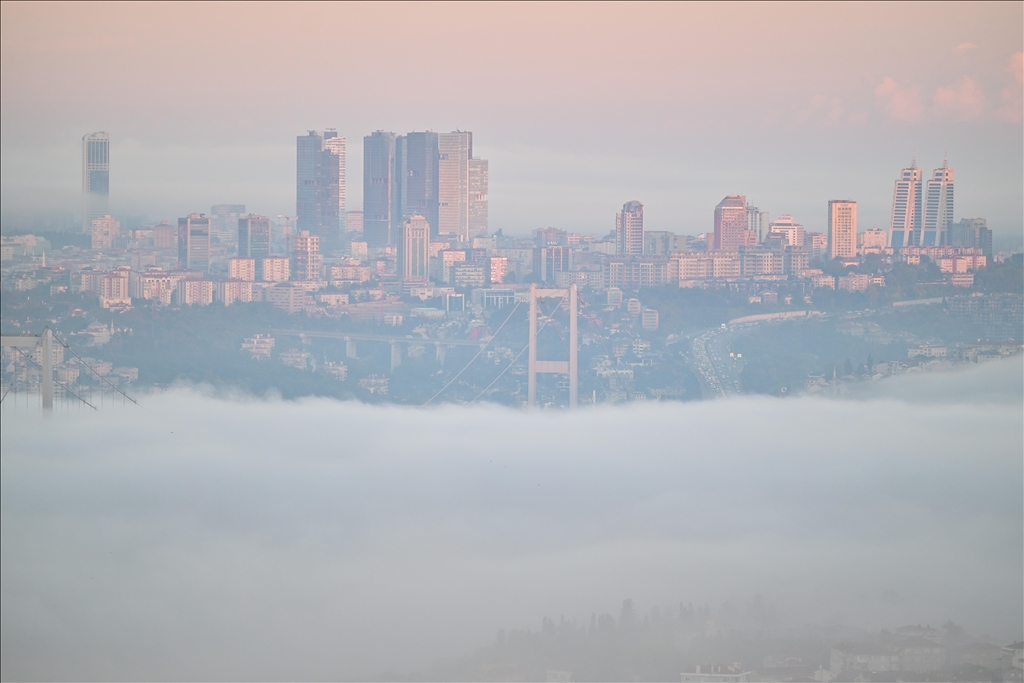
[[579, 107]]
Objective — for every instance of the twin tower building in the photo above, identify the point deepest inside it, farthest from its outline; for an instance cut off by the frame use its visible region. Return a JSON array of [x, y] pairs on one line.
[[432, 177], [922, 211]]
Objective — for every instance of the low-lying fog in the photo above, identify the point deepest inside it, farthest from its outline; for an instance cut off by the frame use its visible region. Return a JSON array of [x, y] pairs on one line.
[[203, 537]]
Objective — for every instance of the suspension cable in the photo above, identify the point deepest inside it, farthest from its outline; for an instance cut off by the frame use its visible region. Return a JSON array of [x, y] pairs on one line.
[[91, 369], [62, 385]]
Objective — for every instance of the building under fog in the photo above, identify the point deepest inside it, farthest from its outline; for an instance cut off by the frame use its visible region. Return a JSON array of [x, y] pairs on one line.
[[379, 196], [320, 184], [194, 242], [254, 240], [905, 226], [95, 178]]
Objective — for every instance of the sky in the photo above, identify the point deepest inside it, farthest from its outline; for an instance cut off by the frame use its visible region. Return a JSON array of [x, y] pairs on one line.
[[579, 107], [314, 540]]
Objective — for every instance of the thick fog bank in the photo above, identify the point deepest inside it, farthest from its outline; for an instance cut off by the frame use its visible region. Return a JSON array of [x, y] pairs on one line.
[[197, 537]]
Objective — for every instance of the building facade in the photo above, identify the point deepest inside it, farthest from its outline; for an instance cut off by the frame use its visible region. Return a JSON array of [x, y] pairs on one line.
[[416, 169], [254, 240], [379, 187], [842, 228], [938, 208], [414, 250], [105, 230], [629, 229], [95, 178], [320, 184], [194, 242], [905, 226], [454, 152], [730, 223], [479, 183]]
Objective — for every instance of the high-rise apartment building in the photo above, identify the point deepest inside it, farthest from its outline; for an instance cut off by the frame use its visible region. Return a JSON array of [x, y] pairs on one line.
[[730, 223], [414, 250], [905, 227], [95, 178], [224, 222], [307, 261], [194, 242], [105, 230], [254, 239], [938, 208], [380, 195], [629, 229], [320, 184], [842, 228], [416, 169], [454, 151], [479, 181], [757, 222]]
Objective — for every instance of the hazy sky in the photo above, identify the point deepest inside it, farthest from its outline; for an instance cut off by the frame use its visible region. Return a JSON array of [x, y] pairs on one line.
[[579, 107], [202, 538]]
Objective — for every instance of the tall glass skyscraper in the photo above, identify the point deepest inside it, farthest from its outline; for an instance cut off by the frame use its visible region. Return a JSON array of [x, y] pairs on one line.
[[416, 167], [905, 227], [254, 239], [95, 178], [454, 152], [938, 208], [380, 199], [320, 184]]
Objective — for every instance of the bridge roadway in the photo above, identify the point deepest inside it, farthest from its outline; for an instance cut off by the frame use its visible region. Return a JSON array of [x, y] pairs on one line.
[[351, 338]]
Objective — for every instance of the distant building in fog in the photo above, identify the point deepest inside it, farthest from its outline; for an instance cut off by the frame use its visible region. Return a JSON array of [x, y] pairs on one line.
[[95, 178], [730, 223], [194, 242], [307, 261], [842, 228], [938, 208], [414, 250], [224, 221], [254, 240], [320, 184], [105, 230], [379, 187], [354, 221], [629, 229], [905, 226], [479, 182], [757, 222]]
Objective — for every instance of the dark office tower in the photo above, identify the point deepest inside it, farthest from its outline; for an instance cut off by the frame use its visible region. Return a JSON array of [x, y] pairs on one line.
[[95, 178], [320, 184], [379, 196], [194, 242], [416, 158], [254, 239]]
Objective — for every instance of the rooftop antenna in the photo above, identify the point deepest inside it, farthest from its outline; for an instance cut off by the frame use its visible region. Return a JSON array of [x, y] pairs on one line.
[[913, 157]]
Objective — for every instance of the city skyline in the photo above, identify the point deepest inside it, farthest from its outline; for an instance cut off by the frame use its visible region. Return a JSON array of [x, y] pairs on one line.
[[951, 83]]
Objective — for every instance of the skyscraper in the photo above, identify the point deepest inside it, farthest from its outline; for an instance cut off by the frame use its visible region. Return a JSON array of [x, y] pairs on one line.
[[254, 239], [905, 228], [320, 184], [95, 178], [379, 187], [479, 180], [414, 250], [416, 168], [938, 208], [194, 242], [454, 151], [730, 223], [629, 229], [842, 228]]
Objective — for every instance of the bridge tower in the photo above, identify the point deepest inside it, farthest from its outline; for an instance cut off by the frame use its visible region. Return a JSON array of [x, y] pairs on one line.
[[568, 367]]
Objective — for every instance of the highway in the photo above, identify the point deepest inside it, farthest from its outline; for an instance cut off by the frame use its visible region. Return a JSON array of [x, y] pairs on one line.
[[718, 372]]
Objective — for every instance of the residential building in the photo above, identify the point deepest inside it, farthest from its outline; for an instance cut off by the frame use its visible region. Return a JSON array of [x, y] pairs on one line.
[[469, 274], [288, 297], [195, 292], [114, 288], [414, 250], [905, 226], [862, 657], [157, 285], [95, 178], [320, 184], [816, 244], [307, 261], [730, 223], [938, 208], [791, 231], [842, 228], [276, 269], [872, 241], [551, 260], [662, 243], [165, 236], [194, 242], [499, 267], [105, 230], [379, 187], [242, 268], [354, 221], [260, 346], [229, 291], [629, 229]]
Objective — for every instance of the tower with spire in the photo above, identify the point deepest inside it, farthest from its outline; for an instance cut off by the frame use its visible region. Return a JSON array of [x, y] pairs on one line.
[[905, 226], [938, 207]]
